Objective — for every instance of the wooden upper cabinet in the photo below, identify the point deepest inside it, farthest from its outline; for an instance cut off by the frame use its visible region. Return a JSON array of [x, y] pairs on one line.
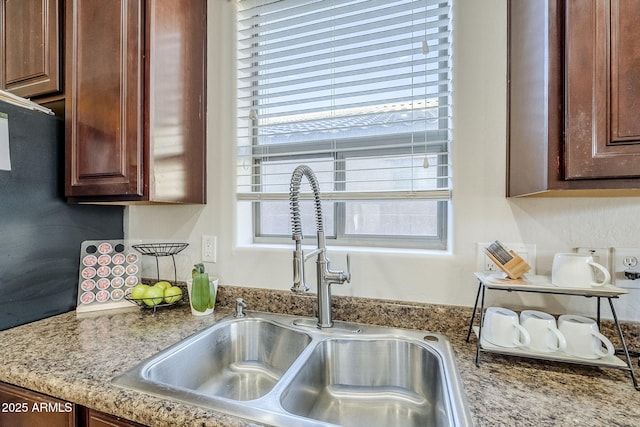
[[602, 89], [105, 116], [31, 47], [135, 110], [574, 97]]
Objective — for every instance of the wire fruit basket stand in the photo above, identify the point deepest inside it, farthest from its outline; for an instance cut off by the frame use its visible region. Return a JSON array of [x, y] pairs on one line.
[[158, 250]]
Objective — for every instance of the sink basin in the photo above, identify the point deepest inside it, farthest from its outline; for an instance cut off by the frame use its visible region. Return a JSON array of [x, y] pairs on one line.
[[239, 360], [275, 370], [389, 382]]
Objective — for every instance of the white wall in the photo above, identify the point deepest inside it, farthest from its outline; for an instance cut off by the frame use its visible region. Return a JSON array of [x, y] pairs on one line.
[[481, 213]]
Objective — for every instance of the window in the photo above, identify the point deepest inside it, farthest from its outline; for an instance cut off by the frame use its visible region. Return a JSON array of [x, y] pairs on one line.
[[360, 91]]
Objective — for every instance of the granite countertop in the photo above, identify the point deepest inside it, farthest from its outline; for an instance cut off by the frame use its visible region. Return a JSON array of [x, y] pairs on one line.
[[75, 358]]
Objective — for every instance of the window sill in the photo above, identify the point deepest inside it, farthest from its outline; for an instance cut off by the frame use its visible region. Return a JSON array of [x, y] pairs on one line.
[[343, 249]]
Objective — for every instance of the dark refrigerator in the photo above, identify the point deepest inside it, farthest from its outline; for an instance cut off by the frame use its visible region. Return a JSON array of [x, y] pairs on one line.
[[41, 234]]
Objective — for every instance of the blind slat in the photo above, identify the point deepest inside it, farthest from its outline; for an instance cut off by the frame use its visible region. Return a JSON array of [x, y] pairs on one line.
[[347, 196], [401, 81], [288, 47], [273, 152], [300, 64], [247, 79], [388, 94]]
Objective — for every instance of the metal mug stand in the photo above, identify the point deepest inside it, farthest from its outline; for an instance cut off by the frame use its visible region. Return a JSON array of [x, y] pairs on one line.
[[484, 284]]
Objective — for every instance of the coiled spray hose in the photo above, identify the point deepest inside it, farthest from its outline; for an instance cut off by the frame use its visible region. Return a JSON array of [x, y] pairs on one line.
[[294, 193]]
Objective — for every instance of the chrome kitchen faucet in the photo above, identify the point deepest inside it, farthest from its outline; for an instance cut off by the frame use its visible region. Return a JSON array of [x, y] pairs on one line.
[[325, 276]]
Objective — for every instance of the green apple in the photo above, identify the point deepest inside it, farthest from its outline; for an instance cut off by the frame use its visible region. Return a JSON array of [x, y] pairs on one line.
[[163, 284], [153, 296], [172, 294], [138, 291]]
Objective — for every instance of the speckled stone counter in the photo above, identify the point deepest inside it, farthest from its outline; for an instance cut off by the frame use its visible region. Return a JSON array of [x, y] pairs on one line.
[[75, 359]]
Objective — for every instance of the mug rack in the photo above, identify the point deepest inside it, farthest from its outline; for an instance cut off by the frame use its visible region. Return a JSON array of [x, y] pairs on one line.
[[491, 282]]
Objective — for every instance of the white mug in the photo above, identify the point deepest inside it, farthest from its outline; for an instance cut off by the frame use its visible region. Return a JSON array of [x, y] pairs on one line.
[[502, 328], [545, 336], [583, 337], [575, 270]]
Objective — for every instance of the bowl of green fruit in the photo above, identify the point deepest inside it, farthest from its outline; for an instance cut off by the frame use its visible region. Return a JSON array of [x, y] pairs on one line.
[[160, 294]]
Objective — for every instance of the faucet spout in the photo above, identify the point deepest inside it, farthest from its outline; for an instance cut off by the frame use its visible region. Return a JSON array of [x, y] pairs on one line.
[[325, 276]]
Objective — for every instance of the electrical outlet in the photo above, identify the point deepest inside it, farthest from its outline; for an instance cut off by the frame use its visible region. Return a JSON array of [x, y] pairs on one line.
[[209, 248], [489, 265], [626, 268], [526, 251]]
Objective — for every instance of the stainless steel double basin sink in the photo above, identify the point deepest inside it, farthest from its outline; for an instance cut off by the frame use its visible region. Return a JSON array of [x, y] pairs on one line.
[[280, 370]]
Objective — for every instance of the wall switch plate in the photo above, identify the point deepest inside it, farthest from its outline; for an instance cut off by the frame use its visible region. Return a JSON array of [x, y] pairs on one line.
[[526, 251], [625, 271], [209, 248]]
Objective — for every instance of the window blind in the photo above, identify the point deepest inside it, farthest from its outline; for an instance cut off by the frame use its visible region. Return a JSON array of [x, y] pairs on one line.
[[358, 90]]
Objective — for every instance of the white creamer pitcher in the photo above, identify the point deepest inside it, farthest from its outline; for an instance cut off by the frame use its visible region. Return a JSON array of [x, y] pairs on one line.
[[576, 271]]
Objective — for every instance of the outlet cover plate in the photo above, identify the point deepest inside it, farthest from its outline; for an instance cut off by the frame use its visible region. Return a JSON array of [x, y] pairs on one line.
[[625, 270], [209, 248]]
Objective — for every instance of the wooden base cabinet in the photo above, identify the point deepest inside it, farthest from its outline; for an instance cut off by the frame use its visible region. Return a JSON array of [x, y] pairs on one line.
[[93, 418], [20, 407], [573, 97], [136, 101], [25, 408]]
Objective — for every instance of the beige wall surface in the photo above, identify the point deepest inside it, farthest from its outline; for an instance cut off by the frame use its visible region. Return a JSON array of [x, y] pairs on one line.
[[480, 211]]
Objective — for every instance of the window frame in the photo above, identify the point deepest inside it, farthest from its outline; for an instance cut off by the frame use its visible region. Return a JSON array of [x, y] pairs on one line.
[[340, 237]]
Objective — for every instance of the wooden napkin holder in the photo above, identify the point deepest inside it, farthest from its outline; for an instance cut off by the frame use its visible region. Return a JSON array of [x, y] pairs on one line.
[[514, 268]]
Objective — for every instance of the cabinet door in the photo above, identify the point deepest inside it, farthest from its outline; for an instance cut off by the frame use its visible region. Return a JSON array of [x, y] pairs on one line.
[[30, 47], [602, 89], [98, 419], [104, 110], [177, 62], [25, 408]]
